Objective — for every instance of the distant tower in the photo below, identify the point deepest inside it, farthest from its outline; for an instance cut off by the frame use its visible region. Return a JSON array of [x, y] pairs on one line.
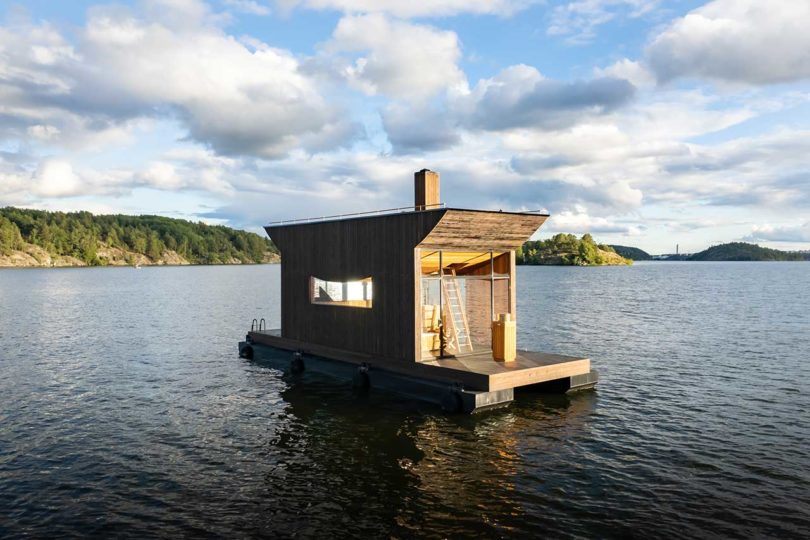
[[677, 249]]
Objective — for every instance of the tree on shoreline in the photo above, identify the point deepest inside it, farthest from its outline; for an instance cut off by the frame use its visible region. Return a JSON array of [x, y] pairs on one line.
[[568, 250], [10, 237], [82, 235]]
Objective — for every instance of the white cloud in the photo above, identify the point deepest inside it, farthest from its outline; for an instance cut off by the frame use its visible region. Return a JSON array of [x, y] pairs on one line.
[[791, 232], [519, 96], [179, 170], [418, 129], [333, 183], [55, 178], [679, 115], [579, 221], [248, 6], [15, 186], [235, 98], [741, 41], [686, 225], [629, 70], [517, 99], [162, 175], [414, 8], [194, 169], [578, 20], [43, 132], [179, 14], [30, 55], [767, 171], [356, 181], [397, 58], [637, 157]]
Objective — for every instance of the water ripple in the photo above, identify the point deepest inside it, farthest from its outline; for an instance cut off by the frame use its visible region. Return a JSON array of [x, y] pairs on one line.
[[124, 412]]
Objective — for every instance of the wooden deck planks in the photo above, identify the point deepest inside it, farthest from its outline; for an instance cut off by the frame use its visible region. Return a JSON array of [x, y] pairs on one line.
[[529, 367], [475, 371]]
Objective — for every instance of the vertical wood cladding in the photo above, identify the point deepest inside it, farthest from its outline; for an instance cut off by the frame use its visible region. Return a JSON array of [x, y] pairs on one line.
[[381, 248]]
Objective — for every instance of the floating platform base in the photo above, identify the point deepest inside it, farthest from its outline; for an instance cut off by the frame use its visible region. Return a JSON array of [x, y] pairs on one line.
[[469, 383]]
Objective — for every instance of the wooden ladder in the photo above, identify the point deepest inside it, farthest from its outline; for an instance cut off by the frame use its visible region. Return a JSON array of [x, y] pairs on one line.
[[458, 317]]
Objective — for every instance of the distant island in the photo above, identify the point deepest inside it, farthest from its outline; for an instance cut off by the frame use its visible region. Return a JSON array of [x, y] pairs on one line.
[[568, 250], [40, 238], [741, 251], [733, 251], [633, 253]]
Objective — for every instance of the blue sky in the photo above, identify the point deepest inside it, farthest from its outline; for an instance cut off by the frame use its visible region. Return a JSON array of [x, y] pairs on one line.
[[646, 123]]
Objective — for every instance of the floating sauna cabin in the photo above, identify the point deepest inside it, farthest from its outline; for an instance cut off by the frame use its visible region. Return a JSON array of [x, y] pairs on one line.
[[419, 299]]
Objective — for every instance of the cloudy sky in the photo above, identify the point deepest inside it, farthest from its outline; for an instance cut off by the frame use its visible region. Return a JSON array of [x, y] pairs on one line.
[[644, 122]]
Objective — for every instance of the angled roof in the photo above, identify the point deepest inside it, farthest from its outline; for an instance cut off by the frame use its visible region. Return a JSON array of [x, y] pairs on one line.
[[441, 228], [482, 230]]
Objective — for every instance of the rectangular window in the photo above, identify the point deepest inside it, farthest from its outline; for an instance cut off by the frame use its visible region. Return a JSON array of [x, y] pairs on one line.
[[341, 293]]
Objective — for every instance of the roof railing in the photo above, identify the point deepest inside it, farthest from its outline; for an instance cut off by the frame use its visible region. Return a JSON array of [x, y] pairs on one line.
[[399, 210]]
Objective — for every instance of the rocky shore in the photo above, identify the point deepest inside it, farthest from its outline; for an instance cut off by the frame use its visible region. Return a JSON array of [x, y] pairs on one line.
[[32, 256]]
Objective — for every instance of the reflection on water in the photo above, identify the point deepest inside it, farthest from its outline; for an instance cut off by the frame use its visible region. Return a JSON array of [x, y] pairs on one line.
[[125, 412], [446, 476], [472, 472]]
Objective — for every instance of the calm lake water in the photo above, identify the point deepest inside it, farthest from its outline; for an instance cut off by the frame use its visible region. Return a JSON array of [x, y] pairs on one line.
[[125, 412]]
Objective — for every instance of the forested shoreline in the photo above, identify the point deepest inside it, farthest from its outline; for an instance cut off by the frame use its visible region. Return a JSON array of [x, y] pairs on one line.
[[42, 238], [38, 238]]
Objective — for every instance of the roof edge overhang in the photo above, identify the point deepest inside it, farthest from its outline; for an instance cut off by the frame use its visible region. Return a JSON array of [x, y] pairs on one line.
[[458, 228], [305, 222], [483, 230]]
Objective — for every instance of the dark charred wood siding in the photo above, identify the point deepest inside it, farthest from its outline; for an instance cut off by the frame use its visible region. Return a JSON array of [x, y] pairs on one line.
[[381, 248]]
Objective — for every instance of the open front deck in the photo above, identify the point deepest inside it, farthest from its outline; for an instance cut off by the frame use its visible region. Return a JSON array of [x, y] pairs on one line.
[[529, 367], [477, 371]]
